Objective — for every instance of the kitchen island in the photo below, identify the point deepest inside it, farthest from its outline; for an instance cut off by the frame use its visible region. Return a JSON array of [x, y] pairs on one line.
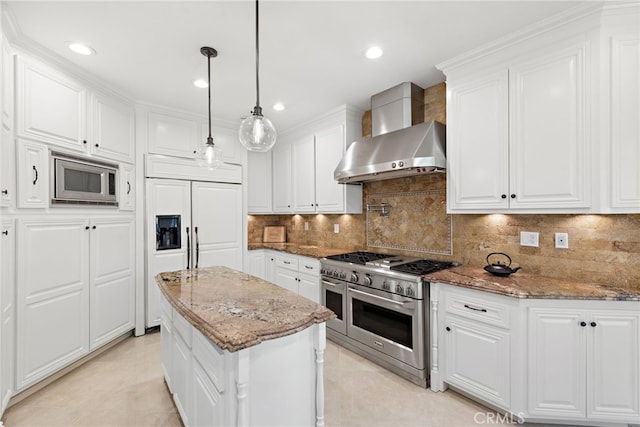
[[237, 350]]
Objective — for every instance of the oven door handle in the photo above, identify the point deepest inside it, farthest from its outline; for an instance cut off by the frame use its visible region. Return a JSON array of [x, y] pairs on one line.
[[409, 305]]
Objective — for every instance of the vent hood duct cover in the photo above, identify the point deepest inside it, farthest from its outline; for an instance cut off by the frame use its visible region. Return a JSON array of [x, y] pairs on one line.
[[410, 151]]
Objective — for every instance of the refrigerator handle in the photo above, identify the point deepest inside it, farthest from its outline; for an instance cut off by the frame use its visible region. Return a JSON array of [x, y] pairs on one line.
[[197, 247], [188, 249]]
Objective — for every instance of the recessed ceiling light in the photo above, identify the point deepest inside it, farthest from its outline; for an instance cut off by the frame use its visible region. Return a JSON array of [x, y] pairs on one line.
[[278, 106], [80, 49], [374, 52], [202, 84]]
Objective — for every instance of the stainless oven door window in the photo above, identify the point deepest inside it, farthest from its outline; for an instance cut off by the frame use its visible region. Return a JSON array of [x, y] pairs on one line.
[[334, 297], [392, 326]]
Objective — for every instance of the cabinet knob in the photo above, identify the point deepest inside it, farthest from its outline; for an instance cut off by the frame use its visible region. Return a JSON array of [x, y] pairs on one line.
[[97, 145], [593, 324], [513, 196], [5, 232], [448, 329], [504, 196], [288, 206], [93, 228], [311, 204], [86, 227], [5, 191], [583, 324], [84, 141]]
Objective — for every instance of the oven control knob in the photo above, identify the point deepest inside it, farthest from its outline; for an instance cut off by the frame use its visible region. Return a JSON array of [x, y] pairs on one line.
[[343, 275], [354, 277], [386, 286], [410, 291], [336, 273], [367, 281], [323, 271], [399, 289]]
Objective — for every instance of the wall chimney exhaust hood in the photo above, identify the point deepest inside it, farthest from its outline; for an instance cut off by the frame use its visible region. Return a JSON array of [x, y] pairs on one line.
[[406, 150]]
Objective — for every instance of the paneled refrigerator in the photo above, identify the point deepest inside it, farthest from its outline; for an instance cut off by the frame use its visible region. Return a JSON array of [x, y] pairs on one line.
[[190, 224]]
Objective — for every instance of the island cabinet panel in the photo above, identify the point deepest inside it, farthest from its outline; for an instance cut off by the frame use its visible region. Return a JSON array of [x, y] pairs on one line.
[[276, 382]]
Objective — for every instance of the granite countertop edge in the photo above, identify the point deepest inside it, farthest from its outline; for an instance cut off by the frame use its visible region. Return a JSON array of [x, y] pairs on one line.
[[528, 286], [240, 339], [312, 251]]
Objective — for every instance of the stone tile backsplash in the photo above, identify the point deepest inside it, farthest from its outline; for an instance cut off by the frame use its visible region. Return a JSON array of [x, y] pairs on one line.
[[602, 248]]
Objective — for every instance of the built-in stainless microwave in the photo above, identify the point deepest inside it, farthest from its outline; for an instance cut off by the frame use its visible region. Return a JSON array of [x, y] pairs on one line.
[[75, 180]]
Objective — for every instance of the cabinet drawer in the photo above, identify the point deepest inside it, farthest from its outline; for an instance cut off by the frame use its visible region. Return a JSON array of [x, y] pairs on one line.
[[182, 327], [478, 306], [288, 262], [309, 266], [211, 359]]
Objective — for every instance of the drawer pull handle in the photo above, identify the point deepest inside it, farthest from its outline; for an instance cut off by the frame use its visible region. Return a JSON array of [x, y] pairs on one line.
[[308, 267], [286, 262], [484, 310]]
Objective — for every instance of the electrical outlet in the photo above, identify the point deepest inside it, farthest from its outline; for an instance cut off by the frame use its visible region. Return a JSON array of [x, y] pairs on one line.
[[529, 238], [562, 240], [336, 228], [306, 226]]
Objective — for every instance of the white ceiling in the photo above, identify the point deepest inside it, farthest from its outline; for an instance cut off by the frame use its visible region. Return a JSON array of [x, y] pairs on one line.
[[311, 52]]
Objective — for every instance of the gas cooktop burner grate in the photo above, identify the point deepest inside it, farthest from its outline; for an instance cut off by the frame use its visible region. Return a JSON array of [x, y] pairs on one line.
[[422, 266], [359, 257]]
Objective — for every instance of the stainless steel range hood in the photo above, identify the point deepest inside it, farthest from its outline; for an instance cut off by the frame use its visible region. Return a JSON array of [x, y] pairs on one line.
[[397, 148], [410, 151]]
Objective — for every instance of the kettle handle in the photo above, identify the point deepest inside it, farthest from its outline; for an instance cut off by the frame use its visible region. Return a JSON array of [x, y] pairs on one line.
[[498, 253]]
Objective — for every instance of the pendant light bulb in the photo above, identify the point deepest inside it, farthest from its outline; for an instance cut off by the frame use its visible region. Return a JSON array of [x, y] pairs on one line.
[[208, 155], [256, 132]]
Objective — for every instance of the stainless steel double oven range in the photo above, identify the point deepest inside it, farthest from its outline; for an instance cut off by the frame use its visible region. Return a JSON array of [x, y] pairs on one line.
[[382, 308]]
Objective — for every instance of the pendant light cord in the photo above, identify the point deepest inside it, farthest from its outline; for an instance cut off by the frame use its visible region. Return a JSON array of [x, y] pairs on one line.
[[257, 110], [209, 139]]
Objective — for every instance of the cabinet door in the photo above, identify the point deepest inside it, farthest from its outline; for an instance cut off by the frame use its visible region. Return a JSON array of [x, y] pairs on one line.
[[282, 178], [217, 224], [111, 129], [303, 175], [166, 344], [8, 312], [270, 267], [330, 196], [126, 192], [8, 77], [182, 378], [259, 184], [556, 373], [625, 133], [613, 375], [172, 135], [256, 264], [478, 360], [309, 287], [207, 404], [548, 133], [8, 165], [111, 278], [227, 140], [33, 175], [50, 106], [478, 143], [287, 279], [52, 301]]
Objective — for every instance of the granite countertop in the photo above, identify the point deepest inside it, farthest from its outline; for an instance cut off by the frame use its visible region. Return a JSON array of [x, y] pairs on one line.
[[236, 310], [299, 249], [523, 285]]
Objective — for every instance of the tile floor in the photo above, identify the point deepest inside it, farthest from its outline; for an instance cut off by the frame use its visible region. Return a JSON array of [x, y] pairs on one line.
[[124, 387]]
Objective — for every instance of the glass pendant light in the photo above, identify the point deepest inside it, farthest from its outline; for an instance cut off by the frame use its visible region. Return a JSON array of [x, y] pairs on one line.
[[256, 131], [208, 155]]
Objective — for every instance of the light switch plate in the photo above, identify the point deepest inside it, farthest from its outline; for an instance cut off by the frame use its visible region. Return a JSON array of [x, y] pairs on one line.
[[529, 238], [336, 228]]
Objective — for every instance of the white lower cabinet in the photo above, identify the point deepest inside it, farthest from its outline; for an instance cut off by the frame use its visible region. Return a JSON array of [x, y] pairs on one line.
[[7, 312], [75, 291], [584, 363], [543, 360], [299, 274], [275, 383]]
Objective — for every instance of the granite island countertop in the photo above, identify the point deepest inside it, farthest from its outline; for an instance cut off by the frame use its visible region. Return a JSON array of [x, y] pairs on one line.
[[236, 310], [312, 251], [523, 285]]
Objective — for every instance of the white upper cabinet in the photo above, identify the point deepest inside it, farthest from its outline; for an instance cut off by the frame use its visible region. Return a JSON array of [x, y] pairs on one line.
[[172, 134], [111, 128], [259, 184], [516, 137], [33, 175], [51, 107], [303, 163], [546, 121], [7, 142], [226, 138]]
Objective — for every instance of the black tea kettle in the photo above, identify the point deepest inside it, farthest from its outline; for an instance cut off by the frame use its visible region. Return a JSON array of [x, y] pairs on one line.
[[498, 268]]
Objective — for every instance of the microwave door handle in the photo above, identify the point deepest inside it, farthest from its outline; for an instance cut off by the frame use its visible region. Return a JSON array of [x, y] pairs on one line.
[[188, 249], [197, 247]]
